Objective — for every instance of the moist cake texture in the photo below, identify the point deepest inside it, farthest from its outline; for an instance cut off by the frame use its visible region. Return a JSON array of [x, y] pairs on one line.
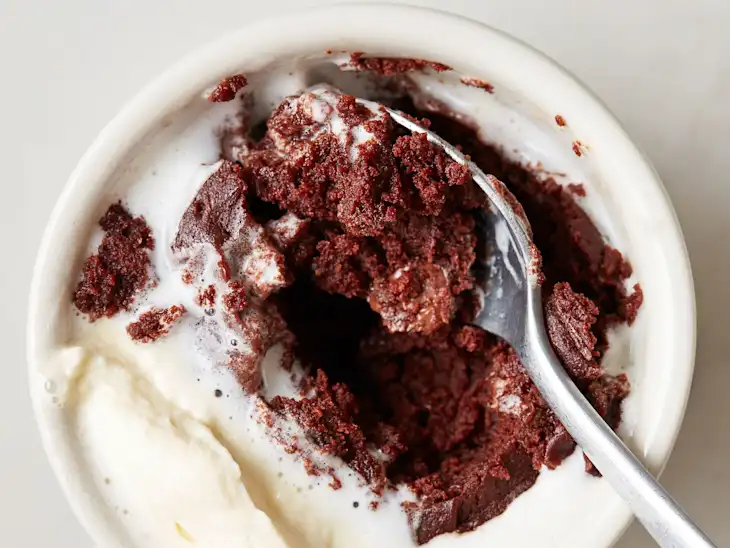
[[350, 243]]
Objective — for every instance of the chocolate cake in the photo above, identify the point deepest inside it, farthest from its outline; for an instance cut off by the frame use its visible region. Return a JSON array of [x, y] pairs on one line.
[[351, 242], [405, 390]]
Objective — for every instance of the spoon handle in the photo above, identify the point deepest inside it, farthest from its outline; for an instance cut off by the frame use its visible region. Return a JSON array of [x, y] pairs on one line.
[[662, 517]]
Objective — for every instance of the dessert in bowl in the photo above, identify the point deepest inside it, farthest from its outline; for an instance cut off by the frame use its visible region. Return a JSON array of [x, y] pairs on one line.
[[250, 315]]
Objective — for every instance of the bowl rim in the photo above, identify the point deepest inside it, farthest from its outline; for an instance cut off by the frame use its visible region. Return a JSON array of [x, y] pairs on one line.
[[175, 87]]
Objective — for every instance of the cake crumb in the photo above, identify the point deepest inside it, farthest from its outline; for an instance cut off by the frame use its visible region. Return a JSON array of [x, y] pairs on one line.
[[632, 303], [206, 297], [577, 189], [476, 83], [578, 148], [227, 89], [155, 323], [120, 268], [390, 66]]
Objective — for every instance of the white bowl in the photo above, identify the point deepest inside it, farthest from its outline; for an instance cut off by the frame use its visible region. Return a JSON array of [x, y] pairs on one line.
[[566, 508]]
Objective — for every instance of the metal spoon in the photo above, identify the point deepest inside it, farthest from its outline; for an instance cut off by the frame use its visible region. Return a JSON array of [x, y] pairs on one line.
[[513, 310]]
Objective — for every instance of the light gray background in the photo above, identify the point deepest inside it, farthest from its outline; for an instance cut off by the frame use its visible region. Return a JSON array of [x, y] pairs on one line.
[[662, 66]]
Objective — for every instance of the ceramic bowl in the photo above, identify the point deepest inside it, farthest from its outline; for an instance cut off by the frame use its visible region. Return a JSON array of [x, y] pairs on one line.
[[566, 507]]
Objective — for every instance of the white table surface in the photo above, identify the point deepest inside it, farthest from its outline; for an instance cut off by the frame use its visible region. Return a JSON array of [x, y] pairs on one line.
[[662, 66]]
